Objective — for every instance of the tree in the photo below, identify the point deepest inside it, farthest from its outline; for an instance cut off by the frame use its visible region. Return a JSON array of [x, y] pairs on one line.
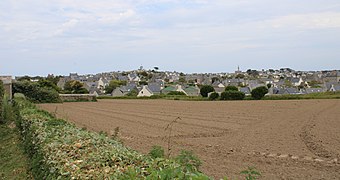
[[206, 89], [213, 96], [214, 79], [259, 92], [113, 85], [182, 79], [231, 88], [269, 85], [75, 87], [232, 95], [36, 93], [48, 84]]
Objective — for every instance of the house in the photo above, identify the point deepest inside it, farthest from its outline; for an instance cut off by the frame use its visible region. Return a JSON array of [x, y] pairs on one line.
[[314, 90], [119, 92], [155, 88], [192, 91], [335, 88], [177, 88], [145, 92], [245, 90], [7, 82], [218, 84], [296, 81], [291, 91]]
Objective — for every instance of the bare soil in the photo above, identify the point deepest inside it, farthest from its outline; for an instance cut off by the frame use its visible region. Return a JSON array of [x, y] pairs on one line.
[[282, 139]]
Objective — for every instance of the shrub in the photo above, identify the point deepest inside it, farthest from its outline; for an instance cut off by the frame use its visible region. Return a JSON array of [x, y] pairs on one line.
[[176, 93], [232, 95], [231, 88], [259, 92], [213, 96], [206, 89], [34, 93]]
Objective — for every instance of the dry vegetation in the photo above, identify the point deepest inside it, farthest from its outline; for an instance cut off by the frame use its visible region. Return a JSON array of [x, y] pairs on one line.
[[297, 139]]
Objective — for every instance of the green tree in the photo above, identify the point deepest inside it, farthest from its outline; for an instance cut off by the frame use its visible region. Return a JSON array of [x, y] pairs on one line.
[[176, 93], [213, 96], [48, 84], [232, 95], [259, 92], [269, 85], [206, 89], [182, 79], [231, 88], [35, 93], [75, 87]]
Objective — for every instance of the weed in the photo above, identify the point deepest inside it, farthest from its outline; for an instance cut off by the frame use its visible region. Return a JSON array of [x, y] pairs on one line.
[[251, 173], [156, 152], [168, 138]]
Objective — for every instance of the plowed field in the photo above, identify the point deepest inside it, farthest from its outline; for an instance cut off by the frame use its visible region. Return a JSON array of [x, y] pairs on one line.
[[282, 139]]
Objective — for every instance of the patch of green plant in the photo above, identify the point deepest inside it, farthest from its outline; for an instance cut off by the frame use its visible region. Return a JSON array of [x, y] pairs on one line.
[[157, 152], [251, 173], [13, 162]]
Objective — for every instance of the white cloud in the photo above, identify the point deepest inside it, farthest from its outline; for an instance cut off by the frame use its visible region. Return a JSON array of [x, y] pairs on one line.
[[306, 21]]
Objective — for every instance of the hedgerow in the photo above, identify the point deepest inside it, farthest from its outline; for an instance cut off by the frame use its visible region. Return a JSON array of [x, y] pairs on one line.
[[60, 150]]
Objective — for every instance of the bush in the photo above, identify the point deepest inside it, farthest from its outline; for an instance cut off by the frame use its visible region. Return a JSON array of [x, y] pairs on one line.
[[206, 89], [232, 95], [176, 93], [213, 96], [34, 93], [259, 92], [231, 88]]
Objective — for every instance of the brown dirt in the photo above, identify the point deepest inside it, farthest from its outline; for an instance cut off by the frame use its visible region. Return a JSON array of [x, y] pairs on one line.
[[282, 139]]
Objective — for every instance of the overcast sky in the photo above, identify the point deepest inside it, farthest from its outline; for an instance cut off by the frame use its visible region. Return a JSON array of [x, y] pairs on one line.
[[38, 37]]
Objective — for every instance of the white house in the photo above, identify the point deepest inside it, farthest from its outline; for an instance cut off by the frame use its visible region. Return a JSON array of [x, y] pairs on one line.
[[145, 92]]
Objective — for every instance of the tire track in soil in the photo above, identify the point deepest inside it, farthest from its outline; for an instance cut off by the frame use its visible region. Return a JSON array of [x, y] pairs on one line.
[[307, 136]]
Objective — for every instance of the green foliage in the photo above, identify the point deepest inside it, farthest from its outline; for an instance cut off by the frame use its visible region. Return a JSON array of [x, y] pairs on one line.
[[43, 83], [259, 92], [74, 87], [206, 89], [182, 79], [13, 162], [176, 93], [269, 86], [113, 85], [7, 114], [214, 96], [251, 173], [59, 150], [189, 161], [132, 93], [157, 152], [142, 83], [231, 88], [35, 93], [2, 92], [232, 95]]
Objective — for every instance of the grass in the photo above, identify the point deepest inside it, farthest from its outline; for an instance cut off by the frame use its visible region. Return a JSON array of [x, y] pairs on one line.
[[13, 162]]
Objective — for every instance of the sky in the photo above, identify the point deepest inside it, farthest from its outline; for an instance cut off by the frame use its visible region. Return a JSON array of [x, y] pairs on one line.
[[40, 37]]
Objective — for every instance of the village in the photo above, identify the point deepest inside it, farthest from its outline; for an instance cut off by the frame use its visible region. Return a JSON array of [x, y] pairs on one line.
[[153, 82]]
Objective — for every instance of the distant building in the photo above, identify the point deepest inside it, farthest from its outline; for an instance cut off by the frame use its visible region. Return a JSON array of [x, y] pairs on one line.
[[7, 81]]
